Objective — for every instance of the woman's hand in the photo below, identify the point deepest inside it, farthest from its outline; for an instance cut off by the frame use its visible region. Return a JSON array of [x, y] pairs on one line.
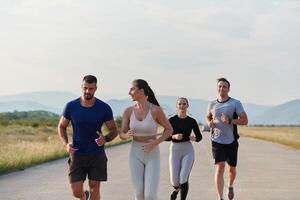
[[192, 138], [177, 136], [128, 134], [150, 145]]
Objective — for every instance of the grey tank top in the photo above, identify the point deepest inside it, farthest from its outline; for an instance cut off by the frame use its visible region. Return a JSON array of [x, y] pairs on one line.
[[146, 127]]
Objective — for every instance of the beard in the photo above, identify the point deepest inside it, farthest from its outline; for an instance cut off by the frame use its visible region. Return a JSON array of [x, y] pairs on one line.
[[87, 96]]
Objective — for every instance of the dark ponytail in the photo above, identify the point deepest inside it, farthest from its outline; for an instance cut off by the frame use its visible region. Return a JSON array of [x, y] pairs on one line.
[[151, 97], [142, 84]]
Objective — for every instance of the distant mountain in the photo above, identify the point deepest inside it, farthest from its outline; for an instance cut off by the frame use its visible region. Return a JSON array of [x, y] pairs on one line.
[[254, 110], [119, 105], [11, 106], [54, 99], [283, 114], [287, 113]]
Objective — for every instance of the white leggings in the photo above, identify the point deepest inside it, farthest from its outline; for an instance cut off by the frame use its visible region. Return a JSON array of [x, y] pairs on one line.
[[145, 171], [181, 161]]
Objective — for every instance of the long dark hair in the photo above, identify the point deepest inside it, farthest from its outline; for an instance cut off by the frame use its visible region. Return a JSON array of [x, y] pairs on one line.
[[142, 84]]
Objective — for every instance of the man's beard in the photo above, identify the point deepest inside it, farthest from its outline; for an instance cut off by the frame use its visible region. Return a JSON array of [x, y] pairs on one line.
[[87, 96]]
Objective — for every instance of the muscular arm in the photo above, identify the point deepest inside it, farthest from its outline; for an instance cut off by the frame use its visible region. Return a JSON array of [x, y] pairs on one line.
[[209, 120], [112, 128], [241, 120], [62, 130]]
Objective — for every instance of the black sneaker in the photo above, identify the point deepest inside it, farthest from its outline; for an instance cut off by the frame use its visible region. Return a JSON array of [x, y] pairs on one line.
[[230, 193], [174, 195], [87, 195]]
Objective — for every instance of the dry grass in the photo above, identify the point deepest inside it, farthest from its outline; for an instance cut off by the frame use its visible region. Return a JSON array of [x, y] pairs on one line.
[[22, 154], [289, 136], [21, 147]]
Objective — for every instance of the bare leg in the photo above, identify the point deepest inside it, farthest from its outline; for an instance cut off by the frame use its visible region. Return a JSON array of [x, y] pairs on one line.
[[94, 190], [77, 190], [219, 178], [231, 178], [231, 175]]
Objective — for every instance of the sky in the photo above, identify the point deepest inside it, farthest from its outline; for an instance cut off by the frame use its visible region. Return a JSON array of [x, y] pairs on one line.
[[179, 47]]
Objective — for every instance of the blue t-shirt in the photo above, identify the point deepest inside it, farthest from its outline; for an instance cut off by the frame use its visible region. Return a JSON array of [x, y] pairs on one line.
[[86, 121]]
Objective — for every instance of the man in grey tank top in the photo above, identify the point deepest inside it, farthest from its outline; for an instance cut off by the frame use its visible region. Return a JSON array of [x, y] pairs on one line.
[[223, 116]]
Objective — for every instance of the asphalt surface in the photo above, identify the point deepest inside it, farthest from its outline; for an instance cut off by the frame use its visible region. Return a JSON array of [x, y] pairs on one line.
[[266, 171]]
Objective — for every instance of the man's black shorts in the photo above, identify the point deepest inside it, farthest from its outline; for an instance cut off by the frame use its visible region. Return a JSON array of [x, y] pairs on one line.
[[225, 152], [93, 166]]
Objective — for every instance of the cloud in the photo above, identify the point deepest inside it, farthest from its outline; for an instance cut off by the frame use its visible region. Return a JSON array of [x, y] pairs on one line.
[[156, 40]]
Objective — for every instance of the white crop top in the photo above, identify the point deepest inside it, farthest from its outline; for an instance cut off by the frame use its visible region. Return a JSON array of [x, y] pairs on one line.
[[146, 127]]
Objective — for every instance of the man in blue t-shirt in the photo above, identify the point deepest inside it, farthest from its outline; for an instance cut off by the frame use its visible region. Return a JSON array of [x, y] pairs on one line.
[[86, 152], [223, 116]]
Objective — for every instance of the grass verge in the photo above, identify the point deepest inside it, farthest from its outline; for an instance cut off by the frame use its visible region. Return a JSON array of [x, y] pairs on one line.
[[289, 136], [25, 146]]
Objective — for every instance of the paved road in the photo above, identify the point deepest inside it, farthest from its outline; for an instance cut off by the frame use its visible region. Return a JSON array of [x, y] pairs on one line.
[[266, 171]]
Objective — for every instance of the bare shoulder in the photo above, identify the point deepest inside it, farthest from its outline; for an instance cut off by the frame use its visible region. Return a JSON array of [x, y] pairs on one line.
[[128, 111], [155, 107], [156, 110]]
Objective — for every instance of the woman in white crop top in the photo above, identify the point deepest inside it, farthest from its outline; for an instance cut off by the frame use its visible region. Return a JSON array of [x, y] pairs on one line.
[[140, 122]]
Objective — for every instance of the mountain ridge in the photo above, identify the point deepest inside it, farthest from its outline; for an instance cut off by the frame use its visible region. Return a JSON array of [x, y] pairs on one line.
[[54, 101]]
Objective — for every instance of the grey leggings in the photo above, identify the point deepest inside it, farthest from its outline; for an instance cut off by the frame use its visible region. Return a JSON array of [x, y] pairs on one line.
[[145, 171], [181, 161]]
